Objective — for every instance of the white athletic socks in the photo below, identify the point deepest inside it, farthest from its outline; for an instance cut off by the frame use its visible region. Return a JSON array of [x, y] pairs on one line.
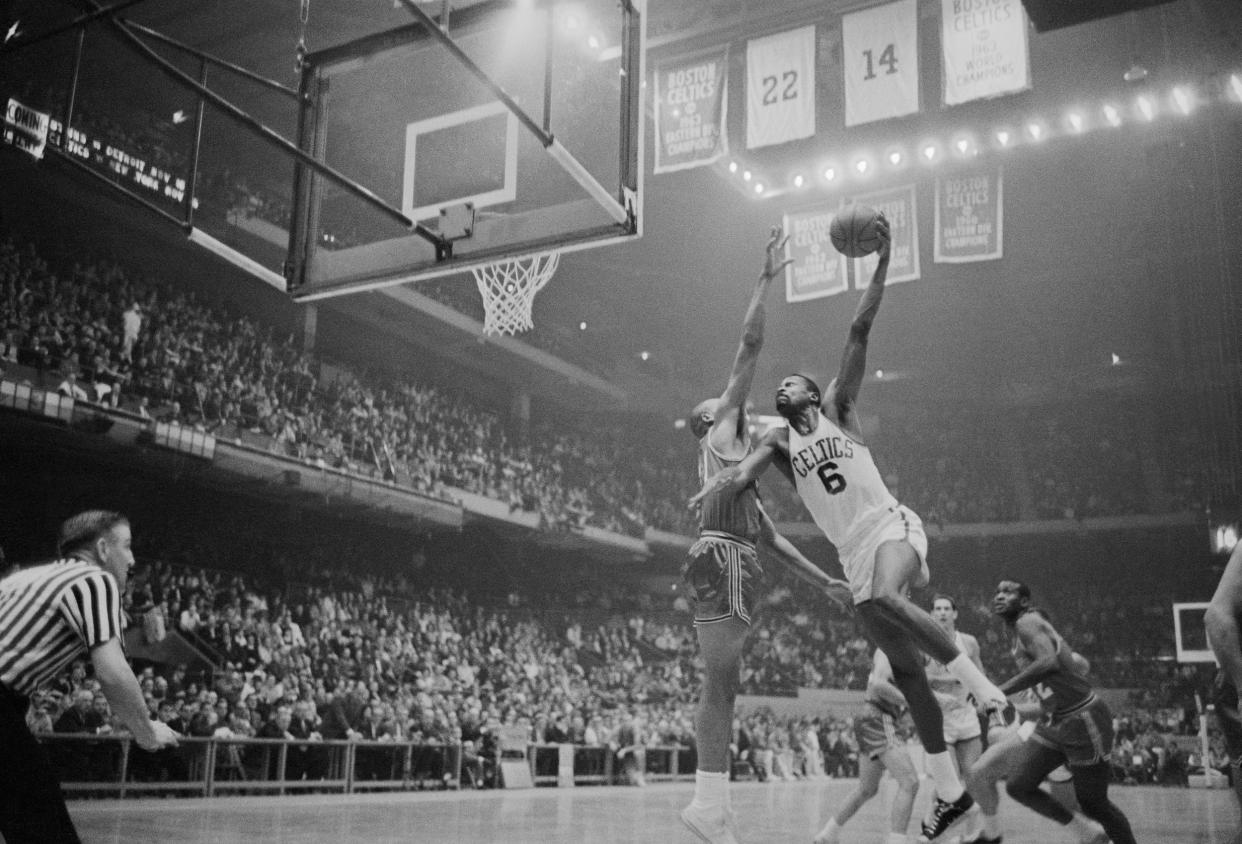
[[829, 834], [943, 773], [981, 687], [711, 790], [991, 826]]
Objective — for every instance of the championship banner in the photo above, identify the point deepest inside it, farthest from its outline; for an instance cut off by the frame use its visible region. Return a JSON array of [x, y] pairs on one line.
[[900, 209], [984, 46], [970, 218], [818, 269], [691, 100], [780, 87], [881, 58], [25, 128]]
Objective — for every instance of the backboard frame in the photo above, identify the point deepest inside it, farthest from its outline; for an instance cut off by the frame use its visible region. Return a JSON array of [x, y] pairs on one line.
[[312, 273], [1189, 654]]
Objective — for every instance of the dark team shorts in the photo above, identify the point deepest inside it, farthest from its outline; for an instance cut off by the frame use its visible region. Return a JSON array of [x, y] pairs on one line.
[[1225, 703], [876, 733], [724, 577], [1084, 736]]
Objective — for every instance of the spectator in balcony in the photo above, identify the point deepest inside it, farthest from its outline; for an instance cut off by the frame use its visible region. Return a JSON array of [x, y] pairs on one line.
[[71, 388], [132, 326]]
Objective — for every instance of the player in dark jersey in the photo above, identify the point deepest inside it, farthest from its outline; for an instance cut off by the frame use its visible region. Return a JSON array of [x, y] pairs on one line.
[[722, 569], [1222, 621], [1078, 732], [880, 748], [1001, 758]]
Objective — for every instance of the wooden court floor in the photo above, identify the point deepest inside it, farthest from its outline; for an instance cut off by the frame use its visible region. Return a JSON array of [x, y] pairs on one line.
[[782, 812]]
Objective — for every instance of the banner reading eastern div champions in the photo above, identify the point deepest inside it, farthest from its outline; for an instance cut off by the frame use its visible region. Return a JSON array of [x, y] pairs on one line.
[[899, 207], [818, 269], [691, 99], [970, 217]]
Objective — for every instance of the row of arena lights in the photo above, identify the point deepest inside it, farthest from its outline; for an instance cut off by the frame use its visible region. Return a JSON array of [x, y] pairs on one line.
[[1182, 101]]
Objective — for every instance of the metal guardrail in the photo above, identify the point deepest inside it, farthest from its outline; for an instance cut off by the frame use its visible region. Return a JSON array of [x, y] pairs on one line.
[[214, 766], [114, 765]]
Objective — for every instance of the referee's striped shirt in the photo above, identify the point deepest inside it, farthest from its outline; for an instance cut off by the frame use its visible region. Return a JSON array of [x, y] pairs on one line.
[[52, 614]]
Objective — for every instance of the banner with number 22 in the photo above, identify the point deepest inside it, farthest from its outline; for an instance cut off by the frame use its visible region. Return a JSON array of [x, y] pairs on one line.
[[880, 50], [780, 87]]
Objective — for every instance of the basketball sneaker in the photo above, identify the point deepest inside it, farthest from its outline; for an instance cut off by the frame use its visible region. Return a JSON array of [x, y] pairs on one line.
[[714, 827], [982, 838], [944, 814]]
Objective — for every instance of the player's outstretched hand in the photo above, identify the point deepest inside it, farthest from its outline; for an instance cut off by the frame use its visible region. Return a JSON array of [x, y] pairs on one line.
[[884, 232], [165, 736], [838, 591], [773, 264], [718, 481]]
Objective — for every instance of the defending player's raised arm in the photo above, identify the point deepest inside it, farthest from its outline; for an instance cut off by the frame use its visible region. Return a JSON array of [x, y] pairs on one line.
[[729, 416], [841, 397], [838, 591], [733, 480], [1038, 640], [1221, 619]]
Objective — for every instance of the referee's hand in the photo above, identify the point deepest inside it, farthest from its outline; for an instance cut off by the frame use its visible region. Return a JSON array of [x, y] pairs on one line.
[[165, 736]]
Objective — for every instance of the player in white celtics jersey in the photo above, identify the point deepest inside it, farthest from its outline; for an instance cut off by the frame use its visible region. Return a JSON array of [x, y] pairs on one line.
[[962, 732], [722, 569], [882, 546]]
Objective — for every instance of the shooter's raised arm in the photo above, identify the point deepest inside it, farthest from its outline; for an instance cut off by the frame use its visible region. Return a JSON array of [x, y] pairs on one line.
[[843, 392]]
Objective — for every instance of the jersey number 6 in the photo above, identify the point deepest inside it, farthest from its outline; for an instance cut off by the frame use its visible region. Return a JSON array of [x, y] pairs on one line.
[[833, 480]]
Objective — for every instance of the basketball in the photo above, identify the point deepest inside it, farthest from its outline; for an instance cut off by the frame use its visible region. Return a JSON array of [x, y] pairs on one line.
[[853, 231]]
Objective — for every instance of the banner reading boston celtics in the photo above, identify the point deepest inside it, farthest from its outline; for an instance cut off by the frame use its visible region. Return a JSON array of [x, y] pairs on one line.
[[817, 269], [970, 218], [691, 97], [899, 208], [984, 49]]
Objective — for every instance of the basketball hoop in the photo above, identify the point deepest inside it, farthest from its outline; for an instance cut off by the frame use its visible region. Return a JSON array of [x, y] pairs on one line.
[[508, 288]]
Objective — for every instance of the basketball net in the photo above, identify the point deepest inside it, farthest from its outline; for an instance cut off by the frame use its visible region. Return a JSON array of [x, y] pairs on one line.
[[508, 288]]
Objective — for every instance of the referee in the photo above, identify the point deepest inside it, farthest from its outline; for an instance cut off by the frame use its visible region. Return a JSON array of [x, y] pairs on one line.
[[50, 615]]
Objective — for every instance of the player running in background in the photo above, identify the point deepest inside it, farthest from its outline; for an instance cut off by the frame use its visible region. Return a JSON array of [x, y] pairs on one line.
[[883, 549], [723, 569], [999, 761], [962, 731], [1078, 733], [880, 749]]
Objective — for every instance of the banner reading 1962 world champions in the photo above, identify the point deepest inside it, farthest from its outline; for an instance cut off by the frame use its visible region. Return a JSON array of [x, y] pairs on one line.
[[818, 269], [985, 49], [691, 99], [970, 217], [900, 209]]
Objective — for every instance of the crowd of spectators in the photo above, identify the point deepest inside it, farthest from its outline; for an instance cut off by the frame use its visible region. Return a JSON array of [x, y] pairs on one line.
[[343, 655], [113, 336], [108, 334]]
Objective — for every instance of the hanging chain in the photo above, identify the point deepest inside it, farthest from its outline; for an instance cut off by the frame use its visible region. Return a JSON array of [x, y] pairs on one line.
[[303, 17]]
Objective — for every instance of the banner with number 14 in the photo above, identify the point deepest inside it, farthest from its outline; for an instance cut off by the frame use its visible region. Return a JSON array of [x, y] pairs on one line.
[[880, 50]]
